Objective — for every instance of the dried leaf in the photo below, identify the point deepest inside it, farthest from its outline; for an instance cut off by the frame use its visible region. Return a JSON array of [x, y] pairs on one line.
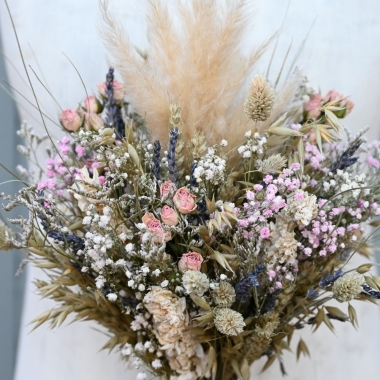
[[302, 349], [244, 369], [269, 362], [200, 302], [370, 282], [336, 312], [235, 366], [353, 316], [319, 319]]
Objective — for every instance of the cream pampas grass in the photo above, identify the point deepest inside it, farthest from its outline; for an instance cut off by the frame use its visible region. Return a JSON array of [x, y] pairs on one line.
[[200, 66]]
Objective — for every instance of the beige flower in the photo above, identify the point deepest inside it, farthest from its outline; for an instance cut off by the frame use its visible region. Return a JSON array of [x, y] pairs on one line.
[[228, 321], [170, 321], [302, 207], [6, 237], [347, 287], [224, 295], [195, 282], [283, 247]]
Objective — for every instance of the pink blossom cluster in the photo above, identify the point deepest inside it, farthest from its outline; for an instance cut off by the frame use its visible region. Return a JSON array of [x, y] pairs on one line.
[[57, 171], [313, 155], [316, 102], [256, 212]]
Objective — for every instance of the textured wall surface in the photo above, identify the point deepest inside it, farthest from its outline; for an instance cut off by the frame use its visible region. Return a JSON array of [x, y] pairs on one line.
[[11, 287], [341, 53]]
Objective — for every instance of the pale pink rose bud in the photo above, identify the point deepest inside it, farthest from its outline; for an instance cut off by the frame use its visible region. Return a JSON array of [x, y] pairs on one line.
[[184, 201], [169, 216], [71, 120], [93, 121], [91, 104], [313, 106], [167, 188], [190, 261], [118, 90], [334, 95], [155, 228]]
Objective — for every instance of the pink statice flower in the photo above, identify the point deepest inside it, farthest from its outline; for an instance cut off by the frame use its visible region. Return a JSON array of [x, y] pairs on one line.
[[373, 162], [265, 233]]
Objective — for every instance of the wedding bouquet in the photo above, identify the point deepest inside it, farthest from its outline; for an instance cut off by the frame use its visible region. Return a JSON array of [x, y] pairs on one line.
[[201, 228]]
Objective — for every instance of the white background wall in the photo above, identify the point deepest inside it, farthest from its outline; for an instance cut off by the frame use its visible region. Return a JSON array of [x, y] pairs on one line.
[[342, 53]]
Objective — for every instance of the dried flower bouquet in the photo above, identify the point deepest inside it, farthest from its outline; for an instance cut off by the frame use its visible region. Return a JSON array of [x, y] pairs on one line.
[[199, 228]]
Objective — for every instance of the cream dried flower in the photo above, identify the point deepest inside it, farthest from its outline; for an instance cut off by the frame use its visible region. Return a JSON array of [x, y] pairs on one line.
[[302, 207], [283, 247], [260, 98], [170, 322], [228, 321], [224, 295], [347, 287], [195, 282], [6, 237]]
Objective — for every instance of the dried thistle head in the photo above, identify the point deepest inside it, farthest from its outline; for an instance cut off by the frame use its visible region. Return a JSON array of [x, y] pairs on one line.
[[347, 287], [272, 164], [224, 295], [260, 98]]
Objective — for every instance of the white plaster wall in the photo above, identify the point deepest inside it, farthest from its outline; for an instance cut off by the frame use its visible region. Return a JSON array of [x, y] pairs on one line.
[[342, 53]]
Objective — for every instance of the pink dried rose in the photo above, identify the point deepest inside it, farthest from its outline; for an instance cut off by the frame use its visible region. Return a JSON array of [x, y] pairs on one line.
[[155, 228], [93, 121], [91, 104], [169, 216], [167, 188], [190, 261], [313, 106], [118, 90], [334, 95], [184, 201], [70, 120]]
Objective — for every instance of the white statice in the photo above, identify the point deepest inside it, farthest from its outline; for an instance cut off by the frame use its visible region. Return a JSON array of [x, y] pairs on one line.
[[170, 322], [301, 207], [210, 168], [195, 282]]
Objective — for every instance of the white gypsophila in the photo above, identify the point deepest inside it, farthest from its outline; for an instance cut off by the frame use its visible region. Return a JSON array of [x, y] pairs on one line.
[[156, 363], [127, 350], [195, 282], [347, 287], [99, 282], [255, 144], [210, 168], [141, 376], [301, 207], [224, 143], [112, 297], [228, 321], [342, 181]]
